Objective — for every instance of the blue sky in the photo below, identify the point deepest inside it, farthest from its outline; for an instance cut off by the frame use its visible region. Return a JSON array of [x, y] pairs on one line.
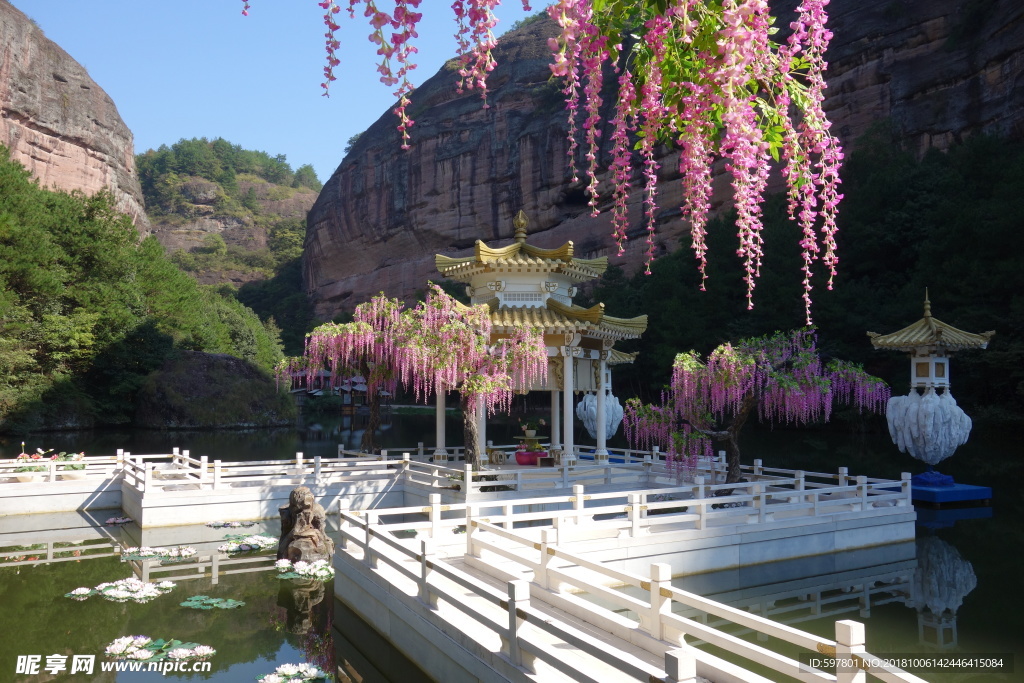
[[198, 68]]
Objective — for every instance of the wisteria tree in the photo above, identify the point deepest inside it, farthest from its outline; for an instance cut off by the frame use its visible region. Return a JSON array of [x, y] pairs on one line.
[[438, 345], [780, 376], [709, 78]]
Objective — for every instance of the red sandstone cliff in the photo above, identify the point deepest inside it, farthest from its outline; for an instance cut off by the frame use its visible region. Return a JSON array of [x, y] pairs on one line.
[[935, 69], [58, 123]]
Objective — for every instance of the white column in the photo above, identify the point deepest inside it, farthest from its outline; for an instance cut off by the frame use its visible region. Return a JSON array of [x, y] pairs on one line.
[[602, 389], [556, 421], [567, 388], [439, 436]]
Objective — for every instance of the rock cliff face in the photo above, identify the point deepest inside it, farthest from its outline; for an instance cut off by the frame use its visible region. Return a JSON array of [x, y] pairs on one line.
[[58, 123], [937, 70]]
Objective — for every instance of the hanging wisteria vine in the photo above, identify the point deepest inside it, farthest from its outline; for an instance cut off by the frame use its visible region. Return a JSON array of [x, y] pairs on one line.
[[780, 376], [438, 345], [708, 78]]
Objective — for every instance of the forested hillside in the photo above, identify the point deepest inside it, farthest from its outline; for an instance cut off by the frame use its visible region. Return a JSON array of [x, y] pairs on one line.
[[234, 217], [949, 222], [87, 310]]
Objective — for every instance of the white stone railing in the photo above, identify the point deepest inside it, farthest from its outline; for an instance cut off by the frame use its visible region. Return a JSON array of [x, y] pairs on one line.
[[53, 470], [435, 580], [655, 613]]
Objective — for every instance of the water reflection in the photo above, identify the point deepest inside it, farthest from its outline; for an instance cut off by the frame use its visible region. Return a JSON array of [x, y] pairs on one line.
[[942, 579], [282, 621]]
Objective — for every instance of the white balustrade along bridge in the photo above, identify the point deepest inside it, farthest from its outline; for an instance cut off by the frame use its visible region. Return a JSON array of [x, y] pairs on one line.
[[485, 592], [525, 573]]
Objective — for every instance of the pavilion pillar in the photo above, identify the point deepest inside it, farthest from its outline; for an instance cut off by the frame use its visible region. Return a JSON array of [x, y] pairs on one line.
[[602, 391], [440, 453], [556, 421], [568, 384]]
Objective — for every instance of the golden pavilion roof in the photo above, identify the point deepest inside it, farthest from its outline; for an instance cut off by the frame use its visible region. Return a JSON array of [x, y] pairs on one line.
[[559, 318], [520, 257], [930, 332]]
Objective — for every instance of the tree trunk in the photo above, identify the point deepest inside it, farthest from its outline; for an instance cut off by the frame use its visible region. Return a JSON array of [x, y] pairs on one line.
[[369, 440], [730, 439], [368, 444], [470, 434]]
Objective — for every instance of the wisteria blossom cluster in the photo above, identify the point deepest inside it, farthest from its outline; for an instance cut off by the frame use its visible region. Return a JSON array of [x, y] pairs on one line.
[[241, 544], [181, 552], [438, 345], [124, 590], [780, 377], [229, 525], [146, 649], [295, 672], [646, 426], [318, 569], [708, 79]]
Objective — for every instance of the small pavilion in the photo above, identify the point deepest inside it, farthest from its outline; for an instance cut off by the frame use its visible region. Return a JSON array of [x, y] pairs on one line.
[[929, 342], [927, 423], [527, 286]]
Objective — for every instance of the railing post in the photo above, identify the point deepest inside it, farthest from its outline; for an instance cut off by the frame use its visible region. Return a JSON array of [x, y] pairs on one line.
[[214, 568], [760, 502], [844, 473], [367, 555], [648, 465], [434, 514], [661, 577], [383, 455], [577, 502], [298, 463], [634, 515], [342, 525], [216, 474], [698, 495], [419, 450], [518, 598], [905, 489], [467, 481], [470, 530], [862, 491], [849, 643], [758, 468], [426, 555], [548, 537], [681, 665], [174, 451], [316, 469], [202, 470], [721, 461], [149, 476]]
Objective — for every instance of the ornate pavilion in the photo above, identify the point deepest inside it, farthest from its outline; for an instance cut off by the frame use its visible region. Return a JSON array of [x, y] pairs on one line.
[[930, 342], [527, 286]]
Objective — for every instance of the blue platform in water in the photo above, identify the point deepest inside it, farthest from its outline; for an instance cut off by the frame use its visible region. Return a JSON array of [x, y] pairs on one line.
[[956, 493]]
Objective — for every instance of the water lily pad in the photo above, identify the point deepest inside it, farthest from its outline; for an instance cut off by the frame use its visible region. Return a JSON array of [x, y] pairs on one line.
[[206, 602]]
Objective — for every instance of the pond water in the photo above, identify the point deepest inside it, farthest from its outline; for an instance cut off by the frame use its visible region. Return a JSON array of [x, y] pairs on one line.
[[966, 569]]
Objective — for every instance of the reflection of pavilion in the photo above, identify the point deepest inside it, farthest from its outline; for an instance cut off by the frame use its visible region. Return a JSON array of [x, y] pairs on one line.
[[941, 581], [526, 286]]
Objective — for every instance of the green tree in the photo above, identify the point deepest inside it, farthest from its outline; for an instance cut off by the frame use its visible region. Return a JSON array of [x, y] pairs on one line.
[[305, 176]]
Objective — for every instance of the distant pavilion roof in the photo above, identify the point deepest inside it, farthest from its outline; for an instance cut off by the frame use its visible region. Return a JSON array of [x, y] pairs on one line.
[[930, 332], [520, 257]]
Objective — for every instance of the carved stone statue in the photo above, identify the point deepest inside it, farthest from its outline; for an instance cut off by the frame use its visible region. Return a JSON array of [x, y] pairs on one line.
[[304, 529]]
